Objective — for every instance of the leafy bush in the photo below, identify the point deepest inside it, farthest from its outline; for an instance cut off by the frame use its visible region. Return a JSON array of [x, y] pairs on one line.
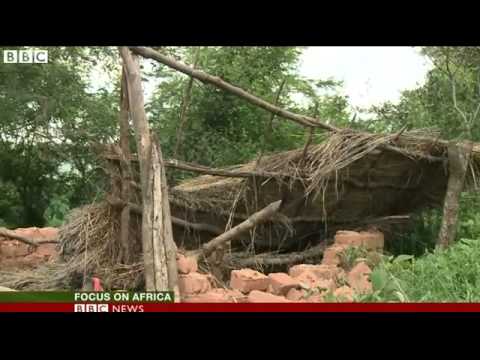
[[56, 211], [449, 275]]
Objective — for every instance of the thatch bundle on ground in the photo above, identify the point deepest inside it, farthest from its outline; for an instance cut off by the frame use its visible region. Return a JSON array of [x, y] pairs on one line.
[[88, 246], [350, 180]]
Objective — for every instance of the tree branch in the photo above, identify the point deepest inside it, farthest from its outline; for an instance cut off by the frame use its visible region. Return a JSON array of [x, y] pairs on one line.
[[185, 107], [218, 82]]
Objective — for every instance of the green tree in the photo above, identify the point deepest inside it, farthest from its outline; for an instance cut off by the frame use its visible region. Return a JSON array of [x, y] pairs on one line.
[[49, 121]]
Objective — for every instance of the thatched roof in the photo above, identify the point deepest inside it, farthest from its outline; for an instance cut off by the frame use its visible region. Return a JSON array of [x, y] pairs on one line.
[[349, 177]]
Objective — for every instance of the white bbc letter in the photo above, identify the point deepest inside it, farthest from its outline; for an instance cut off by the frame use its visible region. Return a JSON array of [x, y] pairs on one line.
[[40, 56], [102, 307], [25, 56], [79, 308], [10, 56]]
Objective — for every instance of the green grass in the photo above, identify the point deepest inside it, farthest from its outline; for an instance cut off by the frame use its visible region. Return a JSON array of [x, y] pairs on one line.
[[450, 275]]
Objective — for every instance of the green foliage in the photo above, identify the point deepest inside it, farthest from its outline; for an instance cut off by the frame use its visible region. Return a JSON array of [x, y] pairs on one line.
[[351, 255], [450, 275], [422, 235]]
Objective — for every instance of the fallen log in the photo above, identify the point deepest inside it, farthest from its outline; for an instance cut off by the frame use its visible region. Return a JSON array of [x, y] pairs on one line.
[[12, 235], [271, 259]]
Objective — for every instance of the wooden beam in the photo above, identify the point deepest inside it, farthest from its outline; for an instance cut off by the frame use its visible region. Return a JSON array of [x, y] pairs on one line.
[[201, 169], [212, 229], [257, 218]]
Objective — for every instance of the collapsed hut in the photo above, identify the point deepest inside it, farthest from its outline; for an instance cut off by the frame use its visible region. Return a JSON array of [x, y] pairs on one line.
[[351, 180]]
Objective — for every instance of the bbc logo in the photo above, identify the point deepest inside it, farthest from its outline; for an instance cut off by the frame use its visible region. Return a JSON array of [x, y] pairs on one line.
[[25, 56], [91, 308]]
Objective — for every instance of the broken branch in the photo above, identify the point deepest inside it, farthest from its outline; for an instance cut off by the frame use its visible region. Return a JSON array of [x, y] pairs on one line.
[[232, 234], [218, 82]]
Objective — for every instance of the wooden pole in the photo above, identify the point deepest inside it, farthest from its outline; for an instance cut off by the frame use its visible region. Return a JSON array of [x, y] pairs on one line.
[[126, 170], [157, 239], [458, 161]]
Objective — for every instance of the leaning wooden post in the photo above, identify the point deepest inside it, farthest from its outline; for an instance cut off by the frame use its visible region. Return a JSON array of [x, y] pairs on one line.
[[458, 160], [157, 240], [125, 169], [234, 233]]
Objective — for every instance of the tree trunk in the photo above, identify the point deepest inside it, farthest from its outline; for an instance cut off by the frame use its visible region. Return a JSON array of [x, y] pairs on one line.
[[157, 239], [458, 160]]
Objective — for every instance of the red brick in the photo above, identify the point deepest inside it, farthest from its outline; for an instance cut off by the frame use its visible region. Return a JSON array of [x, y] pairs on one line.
[[216, 296], [246, 280], [312, 281], [358, 278], [263, 297], [331, 255], [315, 298], [186, 265], [344, 294], [49, 233], [281, 283], [12, 249], [193, 283], [372, 240], [295, 295], [321, 271]]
